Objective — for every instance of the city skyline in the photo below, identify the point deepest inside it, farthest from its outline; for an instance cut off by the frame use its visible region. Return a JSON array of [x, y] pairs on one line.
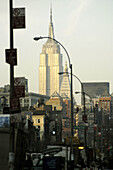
[[84, 27]]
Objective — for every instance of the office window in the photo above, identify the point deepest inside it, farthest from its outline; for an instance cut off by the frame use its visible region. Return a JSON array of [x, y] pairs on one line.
[[38, 120]]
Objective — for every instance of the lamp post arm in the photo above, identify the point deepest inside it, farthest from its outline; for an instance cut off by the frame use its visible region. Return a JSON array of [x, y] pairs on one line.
[[82, 91], [38, 38], [88, 95], [77, 78]]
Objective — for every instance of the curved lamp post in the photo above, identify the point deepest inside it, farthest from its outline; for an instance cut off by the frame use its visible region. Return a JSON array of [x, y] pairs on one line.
[[60, 73], [70, 66], [94, 121], [81, 87], [74, 76]]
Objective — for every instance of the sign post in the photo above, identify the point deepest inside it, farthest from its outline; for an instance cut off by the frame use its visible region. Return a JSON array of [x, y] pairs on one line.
[[17, 20]]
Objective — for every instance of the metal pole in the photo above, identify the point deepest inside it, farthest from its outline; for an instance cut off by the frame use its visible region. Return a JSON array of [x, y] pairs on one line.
[[84, 103], [11, 47], [72, 134], [84, 115], [71, 101], [66, 158], [11, 144], [85, 140], [94, 139], [83, 95]]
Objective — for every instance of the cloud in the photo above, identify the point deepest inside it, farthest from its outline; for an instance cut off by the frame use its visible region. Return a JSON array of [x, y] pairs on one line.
[[75, 14]]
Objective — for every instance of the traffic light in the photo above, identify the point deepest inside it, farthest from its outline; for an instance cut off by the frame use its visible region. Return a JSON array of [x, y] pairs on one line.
[[54, 131], [84, 117], [107, 149], [81, 147], [77, 109]]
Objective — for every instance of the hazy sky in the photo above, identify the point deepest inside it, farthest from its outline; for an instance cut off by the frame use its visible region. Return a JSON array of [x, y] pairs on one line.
[[84, 27]]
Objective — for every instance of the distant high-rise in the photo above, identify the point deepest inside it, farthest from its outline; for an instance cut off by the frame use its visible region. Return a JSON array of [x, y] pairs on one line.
[[96, 89], [50, 65], [65, 86]]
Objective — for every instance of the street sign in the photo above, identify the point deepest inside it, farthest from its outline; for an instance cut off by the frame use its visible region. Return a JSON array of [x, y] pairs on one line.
[[79, 127], [18, 18], [11, 56], [72, 140], [15, 118], [19, 81], [14, 105], [19, 87], [19, 91]]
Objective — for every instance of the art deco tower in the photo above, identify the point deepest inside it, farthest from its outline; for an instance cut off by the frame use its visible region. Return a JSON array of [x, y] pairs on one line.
[[50, 65]]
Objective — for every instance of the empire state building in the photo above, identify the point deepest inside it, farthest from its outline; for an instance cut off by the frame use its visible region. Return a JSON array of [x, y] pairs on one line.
[[50, 65]]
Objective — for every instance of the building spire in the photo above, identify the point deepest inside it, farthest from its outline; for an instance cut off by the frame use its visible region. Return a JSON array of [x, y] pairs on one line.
[[51, 14], [66, 68], [51, 29]]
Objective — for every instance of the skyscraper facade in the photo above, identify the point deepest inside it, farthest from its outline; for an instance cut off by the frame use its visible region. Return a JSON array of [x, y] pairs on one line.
[[50, 65]]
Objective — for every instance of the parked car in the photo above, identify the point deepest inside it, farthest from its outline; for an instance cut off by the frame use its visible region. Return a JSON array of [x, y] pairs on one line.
[[35, 157], [39, 165]]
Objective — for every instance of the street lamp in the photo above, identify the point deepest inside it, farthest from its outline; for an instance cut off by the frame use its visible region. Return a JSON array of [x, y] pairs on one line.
[[86, 118], [60, 73], [72, 75], [82, 87], [84, 98], [70, 65]]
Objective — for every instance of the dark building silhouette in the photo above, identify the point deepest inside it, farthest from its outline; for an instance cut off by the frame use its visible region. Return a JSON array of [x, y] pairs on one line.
[[96, 89]]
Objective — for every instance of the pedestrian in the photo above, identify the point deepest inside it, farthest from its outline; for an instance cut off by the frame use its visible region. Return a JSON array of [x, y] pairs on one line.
[[29, 163]]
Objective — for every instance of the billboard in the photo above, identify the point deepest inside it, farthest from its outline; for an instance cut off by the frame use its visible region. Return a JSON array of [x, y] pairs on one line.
[[4, 120]]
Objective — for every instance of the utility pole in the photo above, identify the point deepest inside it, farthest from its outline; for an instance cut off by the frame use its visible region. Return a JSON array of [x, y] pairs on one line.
[[11, 144]]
